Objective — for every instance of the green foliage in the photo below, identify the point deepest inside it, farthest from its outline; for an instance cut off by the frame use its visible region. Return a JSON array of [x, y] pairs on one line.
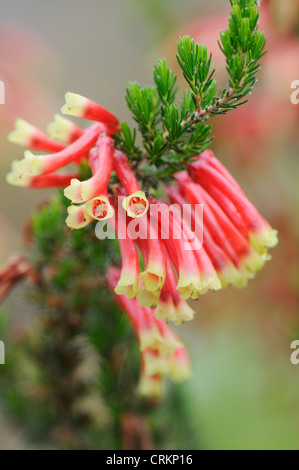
[[173, 132]]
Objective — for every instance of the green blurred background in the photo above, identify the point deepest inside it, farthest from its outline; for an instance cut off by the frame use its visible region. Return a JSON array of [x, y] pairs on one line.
[[244, 390]]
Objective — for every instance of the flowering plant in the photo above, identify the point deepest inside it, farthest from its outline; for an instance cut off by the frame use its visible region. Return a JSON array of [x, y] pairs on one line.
[[207, 235]]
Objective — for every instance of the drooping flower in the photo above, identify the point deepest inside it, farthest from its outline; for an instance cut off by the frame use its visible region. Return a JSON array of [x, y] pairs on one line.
[[161, 350]]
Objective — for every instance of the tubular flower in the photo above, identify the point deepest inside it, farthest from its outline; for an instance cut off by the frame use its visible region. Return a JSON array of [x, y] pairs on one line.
[[153, 277], [34, 165], [27, 135], [128, 281], [224, 266], [161, 350], [215, 179], [136, 203], [245, 258], [77, 105], [99, 208], [170, 306], [81, 191], [77, 217], [150, 332], [64, 130]]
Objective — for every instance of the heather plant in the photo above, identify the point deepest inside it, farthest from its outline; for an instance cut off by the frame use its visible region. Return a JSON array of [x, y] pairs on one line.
[[177, 225]]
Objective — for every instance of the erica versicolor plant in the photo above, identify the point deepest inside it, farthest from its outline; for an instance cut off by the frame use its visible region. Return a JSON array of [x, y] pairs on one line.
[[206, 236]]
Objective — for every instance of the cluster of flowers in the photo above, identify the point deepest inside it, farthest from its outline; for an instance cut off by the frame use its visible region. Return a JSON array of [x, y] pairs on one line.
[[235, 237]]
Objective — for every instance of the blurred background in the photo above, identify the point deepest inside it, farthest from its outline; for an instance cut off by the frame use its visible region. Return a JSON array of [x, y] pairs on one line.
[[244, 389]]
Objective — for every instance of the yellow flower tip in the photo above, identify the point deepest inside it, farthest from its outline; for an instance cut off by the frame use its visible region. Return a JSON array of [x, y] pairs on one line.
[[22, 167], [268, 238], [165, 310], [147, 298], [150, 338], [179, 368], [127, 286], [184, 313], [170, 344], [77, 217], [136, 204], [73, 191], [150, 387], [155, 364], [187, 291], [15, 179], [153, 281], [254, 262], [178, 314], [230, 275], [99, 208], [60, 129], [22, 133], [74, 104]]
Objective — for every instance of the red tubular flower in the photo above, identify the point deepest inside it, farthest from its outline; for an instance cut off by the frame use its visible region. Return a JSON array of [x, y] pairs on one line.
[[161, 350], [260, 233], [27, 135], [245, 258], [190, 191], [170, 306], [226, 270], [150, 332], [136, 204], [99, 208], [81, 191], [77, 105], [195, 270], [35, 165], [153, 277], [128, 281]]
